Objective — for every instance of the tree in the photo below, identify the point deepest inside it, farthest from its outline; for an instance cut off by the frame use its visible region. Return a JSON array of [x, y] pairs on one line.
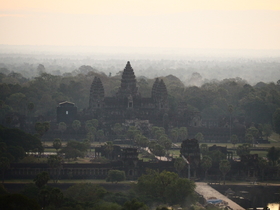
[[276, 121], [17, 152], [262, 163], [179, 164], [85, 192], [57, 144], [54, 162], [166, 187], [56, 197], [18, 201], [4, 165], [203, 149], [251, 134], [76, 125], [234, 140], [267, 130], [90, 138], [182, 133], [41, 179], [224, 167], [243, 149], [100, 135], [42, 127], [199, 136], [118, 129], [62, 127], [273, 155], [132, 132], [115, 176], [141, 140], [174, 135], [134, 205], [206, 164], [108, 148], [157, 149]]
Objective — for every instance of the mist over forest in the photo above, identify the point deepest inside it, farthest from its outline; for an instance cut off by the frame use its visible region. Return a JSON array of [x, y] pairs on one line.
[[193, 67]]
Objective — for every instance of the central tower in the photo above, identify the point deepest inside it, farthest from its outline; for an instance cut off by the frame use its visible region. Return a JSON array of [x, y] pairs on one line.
[[128, 83]]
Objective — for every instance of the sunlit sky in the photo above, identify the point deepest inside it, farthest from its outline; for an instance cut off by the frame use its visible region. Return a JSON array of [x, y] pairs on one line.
[[202, 24]]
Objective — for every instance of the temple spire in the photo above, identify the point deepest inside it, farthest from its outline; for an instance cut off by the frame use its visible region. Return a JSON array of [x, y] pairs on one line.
[[128, 82]]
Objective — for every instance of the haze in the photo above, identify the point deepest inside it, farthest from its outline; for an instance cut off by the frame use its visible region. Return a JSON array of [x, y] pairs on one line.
[[203, 24]]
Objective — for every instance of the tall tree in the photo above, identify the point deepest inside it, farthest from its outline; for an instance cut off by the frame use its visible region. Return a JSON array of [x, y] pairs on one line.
[[115, 176], [76, 125], [4, 165], [273, 155], [276, 121], [243, 149], [100, 135], [54, 162], [62, 127], [224, 167], [182, 133], [57, 144], [41, 179], [234, 139], [206, 164], [179, 164], [199, 136]]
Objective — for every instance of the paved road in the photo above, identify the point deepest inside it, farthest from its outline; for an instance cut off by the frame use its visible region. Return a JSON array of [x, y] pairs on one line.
[[208, 192]]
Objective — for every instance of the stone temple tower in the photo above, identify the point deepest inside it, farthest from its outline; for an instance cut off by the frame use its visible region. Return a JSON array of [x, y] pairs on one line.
[[128, 83], [96, 99]]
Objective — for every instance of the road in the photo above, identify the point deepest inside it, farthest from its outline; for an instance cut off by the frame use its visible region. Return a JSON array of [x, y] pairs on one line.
[[208, 192]]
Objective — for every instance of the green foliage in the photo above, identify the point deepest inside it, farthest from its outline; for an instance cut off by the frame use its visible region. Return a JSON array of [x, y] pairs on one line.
[[276, 121], [234, 139], [243, 149], [216, 156], [4, 165], [157, 149], [134, 205], [179, 164], [74, 149], [224, 167], [41, 179], [12, 137], [182, 133], [18, 201], [199, 136], [206, 164], [273, 155], [85, 192], [115, 176], [54, 162], [166, 187], [203, 149], [57, 143]]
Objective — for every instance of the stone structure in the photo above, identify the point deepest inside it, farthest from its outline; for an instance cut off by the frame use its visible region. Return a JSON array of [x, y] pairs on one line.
[[128, 104], [66, 112], [191, 151]]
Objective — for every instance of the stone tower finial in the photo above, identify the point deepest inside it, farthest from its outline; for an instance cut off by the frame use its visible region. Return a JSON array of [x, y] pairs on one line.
[[128, 82], [96, 93]]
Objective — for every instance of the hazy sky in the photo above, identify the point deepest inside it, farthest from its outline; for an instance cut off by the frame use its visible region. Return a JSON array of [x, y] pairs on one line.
[[220, 24]]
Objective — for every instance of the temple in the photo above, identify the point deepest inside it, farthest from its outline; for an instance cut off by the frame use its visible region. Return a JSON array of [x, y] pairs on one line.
[[128, 104]]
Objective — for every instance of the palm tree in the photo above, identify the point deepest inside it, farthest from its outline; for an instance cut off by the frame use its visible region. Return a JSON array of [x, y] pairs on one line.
[[206, 164], [57, 144], [179, 164], [76, 125], [4, 165], [62, 127], [55, 163], [224, 167]]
